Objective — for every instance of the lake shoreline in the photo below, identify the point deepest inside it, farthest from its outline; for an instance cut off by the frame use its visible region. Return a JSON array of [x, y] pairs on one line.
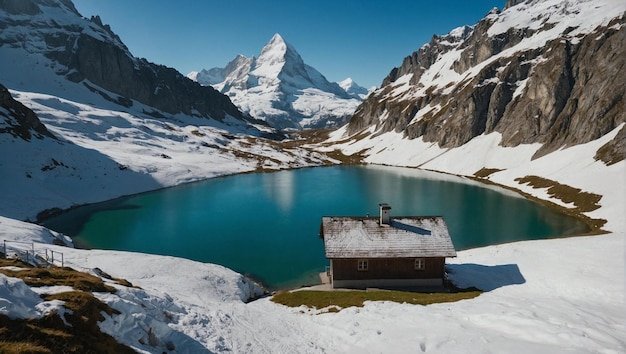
[[591, 223], [454, 178]]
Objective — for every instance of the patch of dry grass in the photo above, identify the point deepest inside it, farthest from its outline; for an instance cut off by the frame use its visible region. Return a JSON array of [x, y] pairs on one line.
[[486, 172], [344, 299], [57, 276], [354, 159], [50, 334], [583, 201]]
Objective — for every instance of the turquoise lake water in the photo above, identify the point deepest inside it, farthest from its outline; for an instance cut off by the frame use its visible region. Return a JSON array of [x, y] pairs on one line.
[[266, 225]]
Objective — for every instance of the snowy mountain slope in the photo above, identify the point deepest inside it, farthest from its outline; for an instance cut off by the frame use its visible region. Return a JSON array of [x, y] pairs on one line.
[[51, 33], [549, 72], [277, 86], [105, 153]]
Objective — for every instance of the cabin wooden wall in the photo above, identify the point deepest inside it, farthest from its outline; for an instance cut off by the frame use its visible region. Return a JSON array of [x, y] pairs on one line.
[[387, 268]]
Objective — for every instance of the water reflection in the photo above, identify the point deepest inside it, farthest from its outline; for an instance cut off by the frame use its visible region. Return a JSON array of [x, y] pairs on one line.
[[280, 188]]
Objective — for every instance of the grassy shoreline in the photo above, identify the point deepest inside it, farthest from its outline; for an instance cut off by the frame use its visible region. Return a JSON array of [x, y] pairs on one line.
[[335, 301]]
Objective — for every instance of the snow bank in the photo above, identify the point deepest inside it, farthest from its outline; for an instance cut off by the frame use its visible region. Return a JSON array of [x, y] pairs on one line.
[[17, 300], [18, 231]]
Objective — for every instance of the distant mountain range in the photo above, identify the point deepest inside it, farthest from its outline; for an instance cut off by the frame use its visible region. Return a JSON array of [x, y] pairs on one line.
[[280, 88]]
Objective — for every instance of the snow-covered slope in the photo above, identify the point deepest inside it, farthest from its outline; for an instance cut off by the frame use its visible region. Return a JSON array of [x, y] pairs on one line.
[[53, 36], [277, 86], [102, 152]]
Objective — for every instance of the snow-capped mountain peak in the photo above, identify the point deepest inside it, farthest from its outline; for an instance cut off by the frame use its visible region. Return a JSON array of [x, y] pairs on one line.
[[279, 87], [277, 50], [354, 89]]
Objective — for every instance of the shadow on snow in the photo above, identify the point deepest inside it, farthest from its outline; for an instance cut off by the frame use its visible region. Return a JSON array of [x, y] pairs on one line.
[[485, 278]]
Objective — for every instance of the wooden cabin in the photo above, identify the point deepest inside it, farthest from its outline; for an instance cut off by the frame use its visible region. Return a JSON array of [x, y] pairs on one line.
[[366, 252]]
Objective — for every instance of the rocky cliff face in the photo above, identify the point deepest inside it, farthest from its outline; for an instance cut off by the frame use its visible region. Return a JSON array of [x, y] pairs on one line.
[[88, 51], [19, 120], [546, 72]]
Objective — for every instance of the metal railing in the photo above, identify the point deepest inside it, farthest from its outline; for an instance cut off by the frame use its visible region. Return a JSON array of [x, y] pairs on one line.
[[26, 252]]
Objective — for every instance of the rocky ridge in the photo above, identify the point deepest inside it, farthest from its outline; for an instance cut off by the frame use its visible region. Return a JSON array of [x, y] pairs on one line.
[[543, 72], [19, 120], [87, 51]]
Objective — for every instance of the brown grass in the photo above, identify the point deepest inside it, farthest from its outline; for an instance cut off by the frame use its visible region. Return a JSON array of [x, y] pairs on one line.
[[309, 136], [486, 172], [50, 334], [7, 347], [583, 201], [300, 140], [354, 159], [56, 276], [344, 299]]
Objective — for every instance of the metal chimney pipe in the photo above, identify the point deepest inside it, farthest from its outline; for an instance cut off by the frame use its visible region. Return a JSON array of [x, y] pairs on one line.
[[384, 213]]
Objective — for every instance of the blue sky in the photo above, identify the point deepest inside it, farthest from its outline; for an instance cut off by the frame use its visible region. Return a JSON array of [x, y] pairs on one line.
[[350, 38]]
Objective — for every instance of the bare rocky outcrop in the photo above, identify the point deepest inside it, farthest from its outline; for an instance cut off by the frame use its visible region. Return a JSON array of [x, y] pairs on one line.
[[566, 92], [110, 67], [19, 120]]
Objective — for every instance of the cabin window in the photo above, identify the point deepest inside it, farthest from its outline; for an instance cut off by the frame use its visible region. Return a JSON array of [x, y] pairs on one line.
[[362, 265], [420, 264]]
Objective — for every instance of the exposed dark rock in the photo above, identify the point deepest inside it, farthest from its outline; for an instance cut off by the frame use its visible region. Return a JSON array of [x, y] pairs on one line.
[[568, 92], [511, 3], [19, 7], [615, 150], [110, 67], [421, 60], [19, 120]]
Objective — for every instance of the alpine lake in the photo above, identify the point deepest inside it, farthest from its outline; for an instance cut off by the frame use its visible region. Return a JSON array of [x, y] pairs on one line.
[[266, 225]]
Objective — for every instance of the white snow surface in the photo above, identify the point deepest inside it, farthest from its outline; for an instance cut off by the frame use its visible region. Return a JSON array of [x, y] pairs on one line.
[[544, 296]]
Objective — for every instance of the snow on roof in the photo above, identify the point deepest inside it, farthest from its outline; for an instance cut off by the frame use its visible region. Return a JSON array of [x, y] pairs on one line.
[[405, 237]]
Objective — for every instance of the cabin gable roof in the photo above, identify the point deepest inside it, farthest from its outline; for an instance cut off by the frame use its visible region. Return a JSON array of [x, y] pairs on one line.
[[403, 237]]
